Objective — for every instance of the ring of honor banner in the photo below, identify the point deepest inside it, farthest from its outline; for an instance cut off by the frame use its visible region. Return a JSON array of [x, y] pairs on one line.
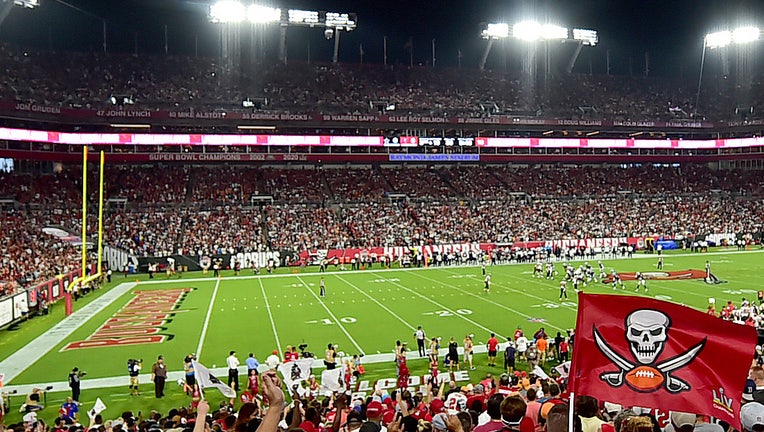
[[652, 353]]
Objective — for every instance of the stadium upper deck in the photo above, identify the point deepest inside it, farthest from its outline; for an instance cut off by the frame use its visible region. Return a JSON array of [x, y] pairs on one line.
[[95, 90]]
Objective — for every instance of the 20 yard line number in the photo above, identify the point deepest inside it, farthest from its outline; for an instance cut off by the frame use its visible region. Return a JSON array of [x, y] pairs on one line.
[[448, 313]]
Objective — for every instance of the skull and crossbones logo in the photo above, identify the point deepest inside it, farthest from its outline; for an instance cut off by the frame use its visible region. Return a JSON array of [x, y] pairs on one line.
[[647, 335]]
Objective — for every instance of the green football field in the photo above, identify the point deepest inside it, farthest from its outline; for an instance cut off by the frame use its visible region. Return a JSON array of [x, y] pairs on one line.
[[364, 312]]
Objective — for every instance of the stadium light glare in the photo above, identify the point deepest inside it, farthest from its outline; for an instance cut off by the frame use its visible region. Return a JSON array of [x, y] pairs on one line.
[[532, 31], [258, 14], [527, 31], [745, 35], [718, 39], [496, 31], [227, 11], [552, 31]]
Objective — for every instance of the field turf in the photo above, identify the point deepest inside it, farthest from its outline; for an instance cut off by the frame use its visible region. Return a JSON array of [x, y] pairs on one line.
[[364, 312]]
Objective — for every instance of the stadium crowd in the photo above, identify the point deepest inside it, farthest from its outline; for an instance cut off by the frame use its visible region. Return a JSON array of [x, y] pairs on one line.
[[521, 398], [99, 80], [198, 211]]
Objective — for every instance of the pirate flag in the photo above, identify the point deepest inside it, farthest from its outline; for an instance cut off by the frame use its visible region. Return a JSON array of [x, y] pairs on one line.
[[206, 379], [294, 372], [658, 354]]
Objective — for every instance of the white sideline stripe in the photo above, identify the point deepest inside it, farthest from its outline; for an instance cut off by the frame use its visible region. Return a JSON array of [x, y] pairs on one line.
[[336, 320], [378, 303], [19, 361], [207, 320], [174, 376], [270, 316]]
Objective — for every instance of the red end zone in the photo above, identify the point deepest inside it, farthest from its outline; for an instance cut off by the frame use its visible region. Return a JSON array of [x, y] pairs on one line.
[[139, 322], [660, 275]]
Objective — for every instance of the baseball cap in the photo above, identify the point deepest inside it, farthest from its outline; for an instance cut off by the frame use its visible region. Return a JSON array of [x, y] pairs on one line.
[[374, 409], [354, 417], [752, 414], [437, 406], [388, 416], [680, 419]]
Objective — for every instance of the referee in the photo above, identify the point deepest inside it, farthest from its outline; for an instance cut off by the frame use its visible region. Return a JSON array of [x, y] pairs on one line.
[[233, 371], [420, 338]]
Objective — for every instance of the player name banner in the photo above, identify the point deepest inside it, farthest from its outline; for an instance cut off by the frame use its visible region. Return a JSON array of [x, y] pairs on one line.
[[51, 290], [137, 113], [347, 256]]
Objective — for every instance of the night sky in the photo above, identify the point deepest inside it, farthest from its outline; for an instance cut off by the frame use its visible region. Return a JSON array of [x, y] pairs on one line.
[[670, 31]]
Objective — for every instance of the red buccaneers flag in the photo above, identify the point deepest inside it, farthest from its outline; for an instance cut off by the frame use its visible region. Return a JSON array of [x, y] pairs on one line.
[[650, 353]]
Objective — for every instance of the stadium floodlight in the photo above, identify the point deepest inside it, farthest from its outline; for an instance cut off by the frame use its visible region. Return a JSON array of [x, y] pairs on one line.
[[532, 31], [258, 14], [496, 31], [31, 4], [227, 11], [340, 21], [303, 17], [745, 35], [586, 36], [718, 39]]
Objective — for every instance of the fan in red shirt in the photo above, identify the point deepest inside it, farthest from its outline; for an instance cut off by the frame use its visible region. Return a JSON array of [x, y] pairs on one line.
[[291, 354], [493, 348]]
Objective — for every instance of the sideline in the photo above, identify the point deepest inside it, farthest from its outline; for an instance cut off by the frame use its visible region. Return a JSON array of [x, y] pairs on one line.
[[18, 362], [434, 267], [174, 376]]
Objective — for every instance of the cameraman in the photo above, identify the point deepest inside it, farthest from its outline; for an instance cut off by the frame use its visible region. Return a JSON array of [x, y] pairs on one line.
[[74, 383], [134, 369], [32, 402]]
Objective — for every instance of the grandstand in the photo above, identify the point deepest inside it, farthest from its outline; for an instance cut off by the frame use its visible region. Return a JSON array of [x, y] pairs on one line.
[[413, 192]]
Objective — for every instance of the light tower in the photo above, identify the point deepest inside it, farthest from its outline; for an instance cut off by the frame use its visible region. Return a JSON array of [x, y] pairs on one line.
[[333, 23]]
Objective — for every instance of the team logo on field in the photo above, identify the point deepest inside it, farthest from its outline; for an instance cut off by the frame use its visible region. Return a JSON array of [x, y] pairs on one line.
[[647, 336]]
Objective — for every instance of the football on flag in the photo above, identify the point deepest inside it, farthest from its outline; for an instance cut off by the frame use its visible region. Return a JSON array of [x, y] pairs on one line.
[[644, 378]]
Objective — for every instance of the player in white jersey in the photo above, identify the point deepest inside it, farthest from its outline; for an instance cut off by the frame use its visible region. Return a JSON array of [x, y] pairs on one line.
[[616, 279], [641, 282], [603, 274], [538, 270], [487, 281], [563, 289], [550, 271]]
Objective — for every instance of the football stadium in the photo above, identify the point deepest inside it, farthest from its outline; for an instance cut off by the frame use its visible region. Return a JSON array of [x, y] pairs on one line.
[[252, 216]]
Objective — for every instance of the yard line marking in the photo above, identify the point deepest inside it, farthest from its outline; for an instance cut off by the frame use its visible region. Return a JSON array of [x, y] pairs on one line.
[[336, 320], [527, 294], [207, 320], [444, 307], [270, 315], [491, 302], [375, 301]]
